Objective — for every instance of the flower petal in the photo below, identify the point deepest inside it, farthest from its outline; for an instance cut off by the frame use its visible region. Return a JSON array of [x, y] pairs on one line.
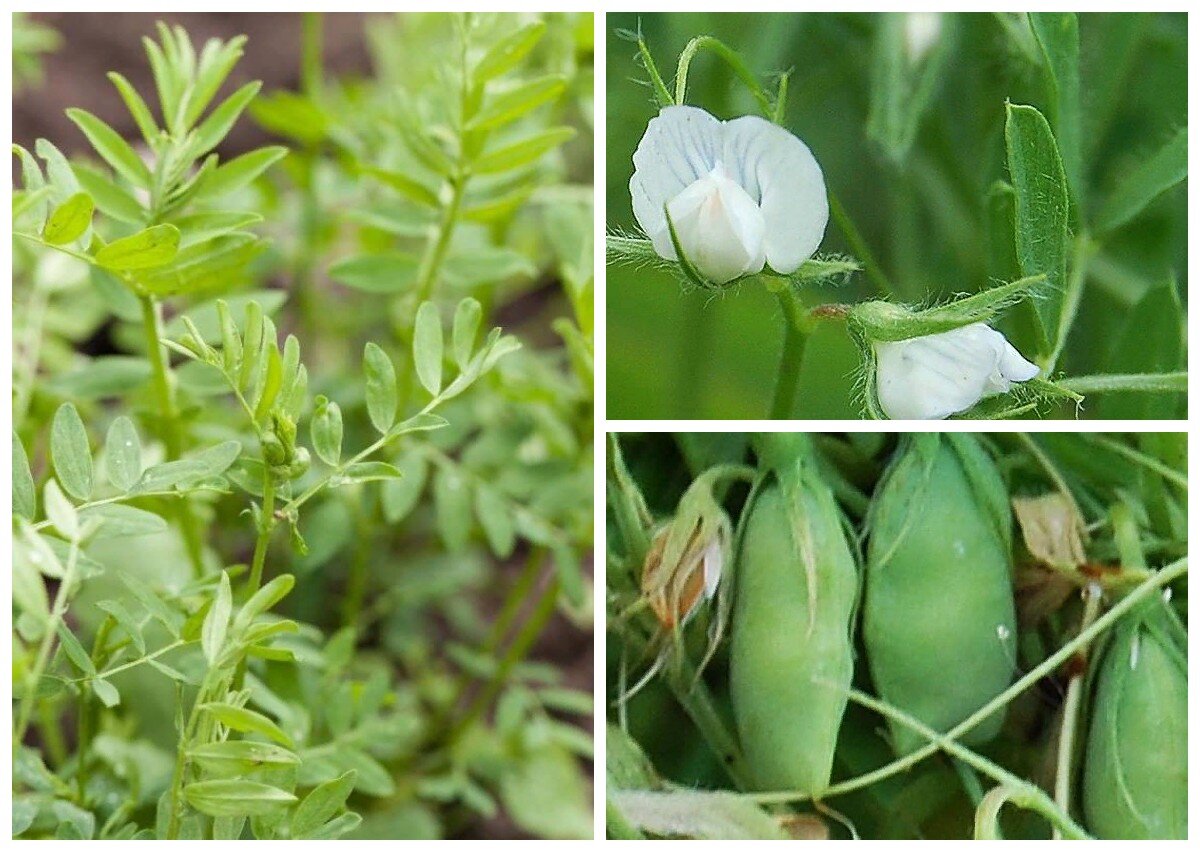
[[779, 171], [719, 227], [934, 376], [681, 145]]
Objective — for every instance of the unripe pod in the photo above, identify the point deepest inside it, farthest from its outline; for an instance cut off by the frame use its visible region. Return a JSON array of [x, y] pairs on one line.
[[791, 656], [1135, 765], [939, 617]]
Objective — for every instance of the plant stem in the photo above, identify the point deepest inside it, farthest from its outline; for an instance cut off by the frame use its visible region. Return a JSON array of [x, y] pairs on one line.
[[1071, 709], [1071, 297], [532, 628], [435, 251], [1148, 587], [312, 72], [693, 695], [859, 246], [61, 598], [1141, 382], [1029, 795], [356, 582], [263, 542], [171, 431], [796, 328]]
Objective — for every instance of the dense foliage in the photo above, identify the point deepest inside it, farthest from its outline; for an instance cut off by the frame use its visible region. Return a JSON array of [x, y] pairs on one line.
[[291, 509]]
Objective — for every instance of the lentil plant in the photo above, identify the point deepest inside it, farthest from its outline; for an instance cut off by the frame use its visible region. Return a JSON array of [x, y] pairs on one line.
[[293, 514], [850, 203], [916, 636]]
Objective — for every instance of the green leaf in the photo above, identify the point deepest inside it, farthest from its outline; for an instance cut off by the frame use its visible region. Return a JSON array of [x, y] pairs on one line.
[[382, 392], [496, 519], [1041, 210], [371, 777], [101, 378], [235, 797], [410, 188], [126, 621], [384, 273], [522, 152], [216, 623], [137, 107], [1150, 340], [321, 805], [75, 651], [239, 172], [221, 120], [513, 103], [1058, 35], [111, 199], [24, 492], [372, 471], [123, 454], [696, 814], [70, 452], [239, 757], [1162, 170], [112, 148], [246, 721], [262, 601], [545, 794], [427, 347], [155, 246], [106, 692], [337, 827], [326, 429], [29, 590], [400, 496], [69, 220], [508, 52], [117, 521], [484, 265], [467, 317], [452, 500]]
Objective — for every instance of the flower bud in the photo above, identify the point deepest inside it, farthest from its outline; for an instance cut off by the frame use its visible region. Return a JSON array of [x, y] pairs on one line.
[[936, 375], [719, 227], [684, 564]]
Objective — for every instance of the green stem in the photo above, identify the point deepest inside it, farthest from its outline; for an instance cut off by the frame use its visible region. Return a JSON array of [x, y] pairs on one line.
[[171, 428], [1148, 587], [1029, 796], [181, 758], [532, 628], [356, 582], [312, 72], [796, 328], [265, 528], [1146, 461], [735, 63], [1071, 298], [85, 724], [435, 252], [61, 598], [692, 694], [1139, 382], [859, 247], [1071, 709]]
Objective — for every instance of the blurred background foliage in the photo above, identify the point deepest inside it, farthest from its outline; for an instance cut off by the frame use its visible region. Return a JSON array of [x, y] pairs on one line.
[[924, 216]]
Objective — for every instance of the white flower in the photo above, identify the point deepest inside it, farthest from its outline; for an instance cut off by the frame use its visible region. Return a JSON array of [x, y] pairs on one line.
[[741, 194], [931, 377]]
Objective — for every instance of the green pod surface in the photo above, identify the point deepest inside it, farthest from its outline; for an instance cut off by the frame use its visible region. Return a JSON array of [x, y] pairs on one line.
[[939, 621], [791, 655], [1135, 763]]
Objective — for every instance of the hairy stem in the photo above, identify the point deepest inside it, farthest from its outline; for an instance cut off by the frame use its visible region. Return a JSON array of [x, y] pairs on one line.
[[171, 427], [1134, 382], [263, 542]]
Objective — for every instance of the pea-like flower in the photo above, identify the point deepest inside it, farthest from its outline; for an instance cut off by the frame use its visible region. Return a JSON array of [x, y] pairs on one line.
[[934, 376], [741, 194]]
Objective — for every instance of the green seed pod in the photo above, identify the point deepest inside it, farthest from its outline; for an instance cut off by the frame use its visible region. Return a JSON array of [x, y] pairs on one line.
[[939, 619], [791, 655], [1135, 763]]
